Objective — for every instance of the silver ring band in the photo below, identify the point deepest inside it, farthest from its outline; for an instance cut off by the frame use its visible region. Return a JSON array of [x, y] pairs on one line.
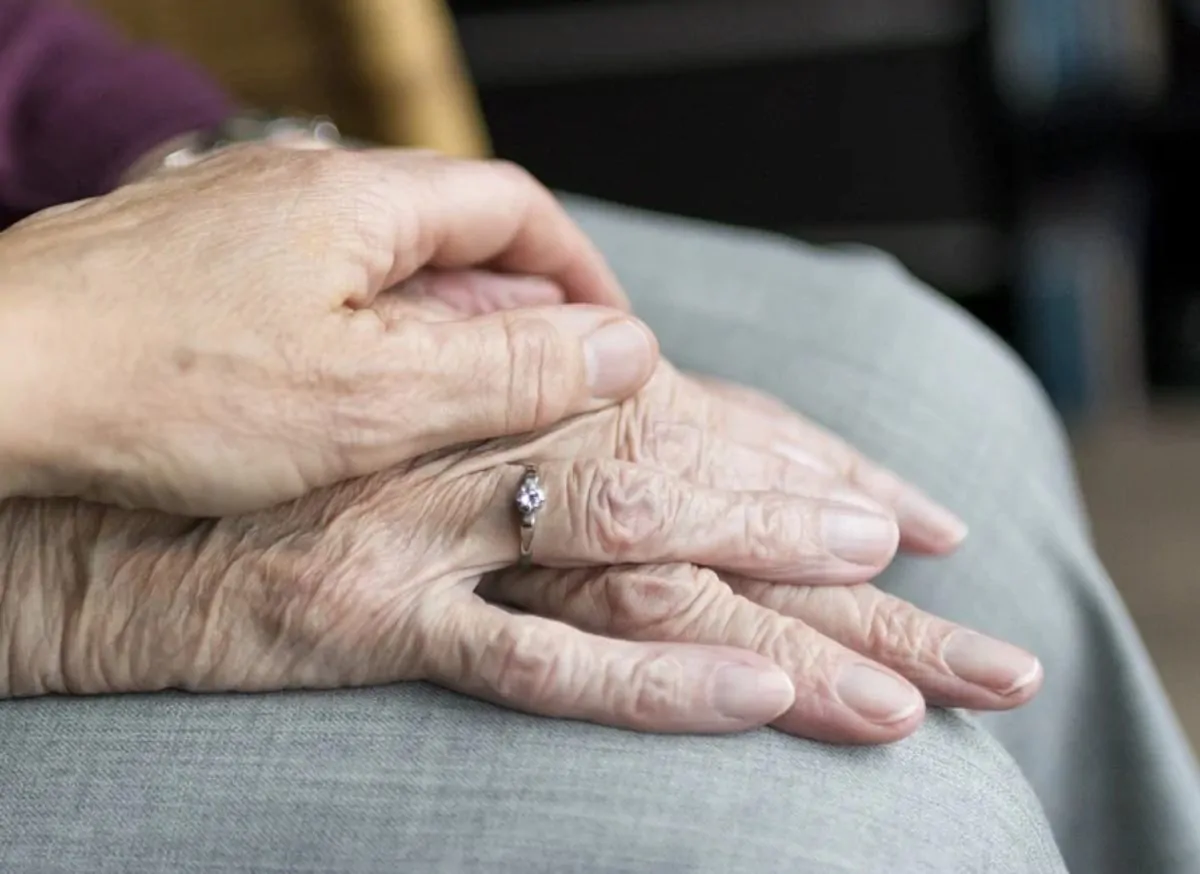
[[528, 502]]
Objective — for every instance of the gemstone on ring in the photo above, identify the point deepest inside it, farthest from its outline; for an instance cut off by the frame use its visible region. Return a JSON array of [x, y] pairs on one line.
[[529, 499], [530, 496]]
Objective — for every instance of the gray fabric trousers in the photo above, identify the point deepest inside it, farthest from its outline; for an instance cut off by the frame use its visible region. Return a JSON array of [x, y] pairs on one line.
[[414, 779]]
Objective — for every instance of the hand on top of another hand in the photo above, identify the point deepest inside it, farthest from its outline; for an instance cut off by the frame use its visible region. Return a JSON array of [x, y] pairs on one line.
[[225, 337], [748, 437], [379, 580]]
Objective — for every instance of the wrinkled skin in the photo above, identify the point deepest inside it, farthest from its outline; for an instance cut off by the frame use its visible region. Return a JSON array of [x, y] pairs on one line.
[[375, 581], [688, 544]]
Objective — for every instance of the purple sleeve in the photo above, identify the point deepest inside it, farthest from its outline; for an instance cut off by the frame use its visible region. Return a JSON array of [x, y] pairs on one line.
[[79, 105]]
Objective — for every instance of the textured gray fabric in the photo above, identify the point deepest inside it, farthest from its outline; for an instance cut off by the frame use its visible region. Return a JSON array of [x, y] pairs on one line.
[[414, 779], [855, 343]]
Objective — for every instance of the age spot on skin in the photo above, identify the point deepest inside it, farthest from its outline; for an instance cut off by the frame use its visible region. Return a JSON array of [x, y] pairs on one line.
[[183, 359]]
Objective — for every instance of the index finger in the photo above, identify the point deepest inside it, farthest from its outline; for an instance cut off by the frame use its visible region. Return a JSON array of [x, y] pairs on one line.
[[495, 214]]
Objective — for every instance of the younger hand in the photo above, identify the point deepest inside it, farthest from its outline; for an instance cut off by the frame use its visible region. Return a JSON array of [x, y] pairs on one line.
[[225, 337]]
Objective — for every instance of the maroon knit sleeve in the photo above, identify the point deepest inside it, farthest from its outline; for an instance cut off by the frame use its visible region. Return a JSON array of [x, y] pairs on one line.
[[79, 104]]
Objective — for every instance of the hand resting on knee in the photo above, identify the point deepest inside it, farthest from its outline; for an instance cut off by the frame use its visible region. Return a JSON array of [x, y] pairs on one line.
[[306, 437]]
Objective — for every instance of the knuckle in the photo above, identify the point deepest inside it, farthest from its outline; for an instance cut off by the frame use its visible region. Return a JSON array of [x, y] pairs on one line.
[[788, 640], [895, 628], [651, 598], [626, 513], [537, 374], [519, 664], [387, 239], [368, 408], [779, 528], [765, 631], [656, 687], [820, 662]]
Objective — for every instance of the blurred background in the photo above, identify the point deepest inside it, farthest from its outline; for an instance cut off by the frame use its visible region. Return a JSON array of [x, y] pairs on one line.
[[1032, 159]]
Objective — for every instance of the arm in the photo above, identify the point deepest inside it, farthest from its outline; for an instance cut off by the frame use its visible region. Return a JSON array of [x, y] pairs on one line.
[[79, 105]]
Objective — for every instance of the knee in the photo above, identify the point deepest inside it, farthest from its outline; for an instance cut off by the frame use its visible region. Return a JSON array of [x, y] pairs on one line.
[[933, 380], [937, 347], [948, 800], [846, 331], [851, 338]]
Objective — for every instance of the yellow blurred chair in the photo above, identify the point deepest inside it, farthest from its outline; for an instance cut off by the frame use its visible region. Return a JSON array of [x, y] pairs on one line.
[[386, 70]]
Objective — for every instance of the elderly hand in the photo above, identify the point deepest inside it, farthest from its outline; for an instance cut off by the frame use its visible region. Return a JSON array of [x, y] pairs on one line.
[[862, 662], [224, 337], [374, 581]]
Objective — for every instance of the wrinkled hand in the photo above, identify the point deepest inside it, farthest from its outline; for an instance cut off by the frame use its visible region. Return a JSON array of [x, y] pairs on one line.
[[863, 663], [846, 649], [224, 337], [374, 581]]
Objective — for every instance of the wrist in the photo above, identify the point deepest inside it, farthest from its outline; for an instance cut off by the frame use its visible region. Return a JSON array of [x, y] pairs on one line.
[[284, 131], [79, 611], [36, 540]]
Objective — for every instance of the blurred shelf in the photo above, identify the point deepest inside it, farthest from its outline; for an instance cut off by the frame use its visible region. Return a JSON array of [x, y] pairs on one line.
[[514, 44], [1090, 124]]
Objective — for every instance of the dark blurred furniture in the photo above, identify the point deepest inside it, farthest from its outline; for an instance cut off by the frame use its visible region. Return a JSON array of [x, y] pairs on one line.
[[876, 121], [386, 70], [858, 120]]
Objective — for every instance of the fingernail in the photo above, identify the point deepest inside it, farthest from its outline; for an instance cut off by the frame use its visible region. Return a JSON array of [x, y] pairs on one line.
[[857, 537], [752, 694], [987, 662], [619, 356], [877, 696], [935, 521]]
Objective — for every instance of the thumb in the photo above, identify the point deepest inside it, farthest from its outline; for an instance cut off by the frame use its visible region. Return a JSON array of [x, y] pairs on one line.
[[522, 370], [551, 669]]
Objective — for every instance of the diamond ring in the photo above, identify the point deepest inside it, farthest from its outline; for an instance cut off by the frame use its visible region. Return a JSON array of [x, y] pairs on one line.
[[530, 498]]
